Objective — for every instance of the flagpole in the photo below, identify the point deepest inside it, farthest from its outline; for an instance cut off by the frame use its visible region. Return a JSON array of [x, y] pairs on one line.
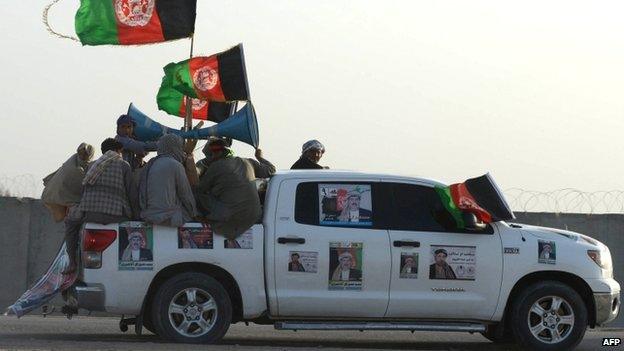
[[188, 119]]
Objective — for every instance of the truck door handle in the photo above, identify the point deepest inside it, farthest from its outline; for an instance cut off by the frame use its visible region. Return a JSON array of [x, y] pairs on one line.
[[408, 243], [287, 240]]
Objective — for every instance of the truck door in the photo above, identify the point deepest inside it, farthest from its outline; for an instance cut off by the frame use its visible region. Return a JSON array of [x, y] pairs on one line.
[[438, 270], [331, 257]]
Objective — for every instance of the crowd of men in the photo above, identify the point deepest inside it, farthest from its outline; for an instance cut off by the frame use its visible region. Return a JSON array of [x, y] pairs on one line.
[[170, 189]]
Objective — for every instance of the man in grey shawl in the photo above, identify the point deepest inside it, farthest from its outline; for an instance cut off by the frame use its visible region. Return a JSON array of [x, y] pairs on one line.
[[63, 188], [165, 193], [226, 193], [109, 196]]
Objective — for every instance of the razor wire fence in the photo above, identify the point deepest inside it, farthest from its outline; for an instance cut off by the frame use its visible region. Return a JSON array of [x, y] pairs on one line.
[[567, 200], [24, 185]]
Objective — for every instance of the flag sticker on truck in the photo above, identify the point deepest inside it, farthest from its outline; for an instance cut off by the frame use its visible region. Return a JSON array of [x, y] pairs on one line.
[[546, 252], [453, 262], [303, 262], [345, 266], [195, 238], [135, 246], [345, 205]]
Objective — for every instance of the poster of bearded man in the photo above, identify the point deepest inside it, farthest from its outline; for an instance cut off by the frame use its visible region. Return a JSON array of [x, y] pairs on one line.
[[135, 246]]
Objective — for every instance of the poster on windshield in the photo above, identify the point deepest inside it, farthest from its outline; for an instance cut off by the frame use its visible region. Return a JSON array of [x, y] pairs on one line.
[[345, 204], [135, 246], [195, 238], [453, 262], [345, 265]]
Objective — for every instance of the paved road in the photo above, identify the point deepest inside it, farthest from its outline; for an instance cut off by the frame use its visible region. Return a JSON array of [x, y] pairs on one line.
[[84, 333]]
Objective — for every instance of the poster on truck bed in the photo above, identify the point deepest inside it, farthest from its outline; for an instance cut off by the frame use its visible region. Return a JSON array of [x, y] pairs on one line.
[[345, 204], [135, 246], [345, 265], [195, 238]]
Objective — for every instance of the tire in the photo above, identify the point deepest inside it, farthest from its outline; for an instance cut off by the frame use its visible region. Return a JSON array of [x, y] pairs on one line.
[[191, 308], [497, 336], [148, 325], [537, 325]]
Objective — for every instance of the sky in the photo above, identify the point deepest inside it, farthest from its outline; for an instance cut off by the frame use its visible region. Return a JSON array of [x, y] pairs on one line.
[[530, 91]]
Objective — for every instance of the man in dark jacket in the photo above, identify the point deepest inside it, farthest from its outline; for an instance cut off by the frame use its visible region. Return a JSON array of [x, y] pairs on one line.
[[311, 154], [226, 193]]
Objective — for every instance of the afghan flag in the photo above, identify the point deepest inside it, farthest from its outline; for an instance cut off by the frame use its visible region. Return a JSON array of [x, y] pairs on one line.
[[221, 77], [174, 102], [480, 196], [130, 22]]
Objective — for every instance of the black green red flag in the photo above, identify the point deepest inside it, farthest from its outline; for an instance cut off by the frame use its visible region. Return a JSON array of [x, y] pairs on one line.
[[480, 196], [174, 102], [130, 22], [221, 77]]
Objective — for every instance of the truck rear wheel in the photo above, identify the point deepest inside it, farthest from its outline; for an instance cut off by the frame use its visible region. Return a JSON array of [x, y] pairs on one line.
[[192, 308], [549, 316]]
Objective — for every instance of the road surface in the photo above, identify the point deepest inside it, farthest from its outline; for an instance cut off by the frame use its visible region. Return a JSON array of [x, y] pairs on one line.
[[90, 333]]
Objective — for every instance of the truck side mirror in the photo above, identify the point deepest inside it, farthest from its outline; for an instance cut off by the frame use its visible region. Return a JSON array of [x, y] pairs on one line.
[[472, 223]]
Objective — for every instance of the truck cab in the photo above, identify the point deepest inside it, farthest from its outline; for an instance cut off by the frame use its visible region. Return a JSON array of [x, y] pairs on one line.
[[340, 250]]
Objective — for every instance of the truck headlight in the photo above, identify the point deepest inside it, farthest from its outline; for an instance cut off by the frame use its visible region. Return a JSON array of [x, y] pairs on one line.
[[602, 259]]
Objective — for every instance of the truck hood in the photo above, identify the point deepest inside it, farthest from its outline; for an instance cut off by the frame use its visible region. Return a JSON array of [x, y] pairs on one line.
[[554, 233]]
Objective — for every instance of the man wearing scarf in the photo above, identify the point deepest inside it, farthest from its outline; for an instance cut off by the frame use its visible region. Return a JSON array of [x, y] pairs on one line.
[[226, 193], [63, 188], [311, 153], [261, 166], [109, 196], [165, 193]]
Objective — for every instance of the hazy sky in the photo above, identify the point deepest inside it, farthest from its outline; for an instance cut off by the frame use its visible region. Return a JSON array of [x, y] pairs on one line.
[[530, 91]]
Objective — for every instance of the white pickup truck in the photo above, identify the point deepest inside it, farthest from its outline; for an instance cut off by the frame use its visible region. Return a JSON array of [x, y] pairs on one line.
[[352, 251]]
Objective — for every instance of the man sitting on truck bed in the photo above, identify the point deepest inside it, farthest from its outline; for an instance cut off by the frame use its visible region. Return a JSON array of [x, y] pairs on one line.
[[164, 190], [109, 196], [226, 194]]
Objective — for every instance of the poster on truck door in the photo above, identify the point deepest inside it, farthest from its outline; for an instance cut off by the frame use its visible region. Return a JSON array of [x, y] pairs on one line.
[[453, 262], [135, 246], [345, 265]]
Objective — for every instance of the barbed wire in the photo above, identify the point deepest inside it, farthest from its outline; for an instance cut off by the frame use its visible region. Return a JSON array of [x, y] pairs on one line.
[[23, 185], [566, 200]]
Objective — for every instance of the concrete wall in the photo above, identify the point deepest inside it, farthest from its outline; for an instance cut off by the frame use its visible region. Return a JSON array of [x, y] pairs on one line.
[[29, 240]]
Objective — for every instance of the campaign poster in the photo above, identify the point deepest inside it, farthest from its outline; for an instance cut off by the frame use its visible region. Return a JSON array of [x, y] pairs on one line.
[[345, 265], [547, 252], [303, 262], [244, 241], [453, 262], [195, 238], [135, 246], [409, 265], [345, 204]]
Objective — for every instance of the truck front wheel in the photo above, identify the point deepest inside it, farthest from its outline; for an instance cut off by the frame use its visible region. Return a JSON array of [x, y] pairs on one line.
[[549, 316], [192, 308]]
